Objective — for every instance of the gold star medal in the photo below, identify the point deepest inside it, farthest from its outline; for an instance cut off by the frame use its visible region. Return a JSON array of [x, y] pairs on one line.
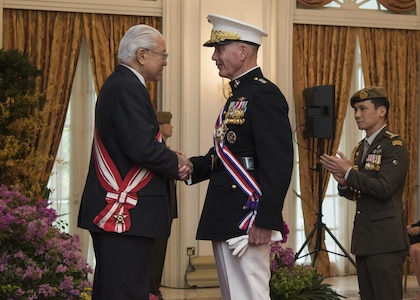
[[120, 218]]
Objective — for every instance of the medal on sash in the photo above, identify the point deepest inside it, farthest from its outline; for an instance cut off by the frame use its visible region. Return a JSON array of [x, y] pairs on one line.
[[121, 193]]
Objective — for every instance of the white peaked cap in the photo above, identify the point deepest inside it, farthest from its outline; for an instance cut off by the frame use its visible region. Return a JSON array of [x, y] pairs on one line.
[[229, 30]]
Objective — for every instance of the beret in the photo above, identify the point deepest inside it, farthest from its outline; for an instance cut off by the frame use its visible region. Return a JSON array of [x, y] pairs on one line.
[[229, 30], [370, 93], [164, 117]]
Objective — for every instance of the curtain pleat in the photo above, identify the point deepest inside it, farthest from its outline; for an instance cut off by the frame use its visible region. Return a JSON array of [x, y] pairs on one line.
[[322, 55], [52, 40], [390, 58], [103, 34]]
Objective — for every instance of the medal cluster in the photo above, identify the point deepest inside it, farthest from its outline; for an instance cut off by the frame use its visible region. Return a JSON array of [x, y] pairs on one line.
[[373, 160], [235, 116]]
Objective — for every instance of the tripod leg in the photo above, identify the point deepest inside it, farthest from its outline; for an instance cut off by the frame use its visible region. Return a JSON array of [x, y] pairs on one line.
[[318, 242], [346, 254], [308, 239]]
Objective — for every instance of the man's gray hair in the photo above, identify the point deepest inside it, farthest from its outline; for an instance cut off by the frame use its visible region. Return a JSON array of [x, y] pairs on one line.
[[139, 36]]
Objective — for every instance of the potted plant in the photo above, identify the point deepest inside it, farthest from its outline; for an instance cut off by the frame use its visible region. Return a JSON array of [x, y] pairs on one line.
[[21, 119], [290, 281]]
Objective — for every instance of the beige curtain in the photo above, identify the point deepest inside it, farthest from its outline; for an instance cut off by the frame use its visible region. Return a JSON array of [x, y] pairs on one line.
[[103, 34], [390, 58], [322, 55], [52, 40]]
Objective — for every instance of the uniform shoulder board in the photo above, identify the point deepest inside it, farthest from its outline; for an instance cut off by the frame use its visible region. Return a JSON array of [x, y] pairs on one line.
[[397, 143], [391, 135], [260, 79]]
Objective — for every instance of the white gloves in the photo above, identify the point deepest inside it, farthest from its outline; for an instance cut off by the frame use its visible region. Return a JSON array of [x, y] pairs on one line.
[[240, 244]]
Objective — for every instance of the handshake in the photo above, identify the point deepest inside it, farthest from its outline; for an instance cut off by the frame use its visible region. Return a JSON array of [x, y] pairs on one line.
[[185, 167]]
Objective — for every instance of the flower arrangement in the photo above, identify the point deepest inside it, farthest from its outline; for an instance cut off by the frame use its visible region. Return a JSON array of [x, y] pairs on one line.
[[295, 282], [37, 260]]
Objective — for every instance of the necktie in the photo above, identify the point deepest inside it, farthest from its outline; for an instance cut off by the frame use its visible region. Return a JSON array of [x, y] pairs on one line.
[[365, 149]]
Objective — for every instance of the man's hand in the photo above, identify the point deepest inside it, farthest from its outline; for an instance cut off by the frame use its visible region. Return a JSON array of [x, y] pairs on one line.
[[259, 236], [338, 165], [185, 167], [341, 181], [413, 230]]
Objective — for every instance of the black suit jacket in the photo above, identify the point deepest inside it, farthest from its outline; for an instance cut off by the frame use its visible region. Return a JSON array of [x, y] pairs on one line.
[[264, 135], [127, 125], [376, 183]]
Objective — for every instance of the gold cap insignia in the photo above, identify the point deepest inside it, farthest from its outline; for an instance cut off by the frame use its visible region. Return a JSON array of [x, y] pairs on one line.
[[218, 36], [227, 30], [363, 95]]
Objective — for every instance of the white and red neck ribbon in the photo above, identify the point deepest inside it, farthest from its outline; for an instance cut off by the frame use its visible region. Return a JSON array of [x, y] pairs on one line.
[[121, 193], [242, 178]]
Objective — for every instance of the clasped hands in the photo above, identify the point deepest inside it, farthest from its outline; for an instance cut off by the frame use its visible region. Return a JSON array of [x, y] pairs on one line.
[[185, 167], [413, 230]]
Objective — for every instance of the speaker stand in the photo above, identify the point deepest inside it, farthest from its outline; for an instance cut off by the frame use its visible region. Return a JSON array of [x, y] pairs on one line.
[[319, 226]]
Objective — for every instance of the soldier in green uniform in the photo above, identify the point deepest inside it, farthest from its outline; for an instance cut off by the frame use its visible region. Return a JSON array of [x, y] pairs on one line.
[[374, 177], [249, 167]]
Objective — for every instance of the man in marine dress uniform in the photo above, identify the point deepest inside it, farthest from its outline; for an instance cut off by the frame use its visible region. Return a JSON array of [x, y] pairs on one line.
[[374, 178], [249, 167]]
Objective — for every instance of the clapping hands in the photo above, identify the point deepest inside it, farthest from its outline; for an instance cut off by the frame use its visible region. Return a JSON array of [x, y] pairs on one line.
[[337, 165]]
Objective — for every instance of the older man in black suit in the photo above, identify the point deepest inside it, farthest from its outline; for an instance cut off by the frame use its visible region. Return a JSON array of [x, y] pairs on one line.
[[126, 187]]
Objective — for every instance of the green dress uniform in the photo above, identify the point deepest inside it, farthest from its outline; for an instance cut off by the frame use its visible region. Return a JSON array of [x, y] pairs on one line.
[[379, 239]]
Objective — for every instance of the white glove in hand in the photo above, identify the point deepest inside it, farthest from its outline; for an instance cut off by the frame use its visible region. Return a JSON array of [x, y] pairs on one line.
[[240, 244]]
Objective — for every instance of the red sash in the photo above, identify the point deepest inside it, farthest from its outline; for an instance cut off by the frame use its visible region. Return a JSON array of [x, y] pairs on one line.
[[121, 193]]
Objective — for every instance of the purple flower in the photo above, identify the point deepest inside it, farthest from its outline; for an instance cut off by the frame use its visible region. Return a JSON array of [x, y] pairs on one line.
[[286, 233], [46, 290], [67, 283], [19, 254], [37, 260], [281, 257], [61, 269]]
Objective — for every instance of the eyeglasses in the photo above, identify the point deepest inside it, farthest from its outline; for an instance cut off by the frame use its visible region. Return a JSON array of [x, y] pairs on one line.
[[164, 54]]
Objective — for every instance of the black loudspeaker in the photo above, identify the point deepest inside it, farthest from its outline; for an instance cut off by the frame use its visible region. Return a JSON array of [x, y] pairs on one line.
[[319, 112]]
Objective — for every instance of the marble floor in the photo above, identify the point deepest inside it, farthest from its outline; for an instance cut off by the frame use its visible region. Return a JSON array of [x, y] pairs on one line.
[[344, 285]]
